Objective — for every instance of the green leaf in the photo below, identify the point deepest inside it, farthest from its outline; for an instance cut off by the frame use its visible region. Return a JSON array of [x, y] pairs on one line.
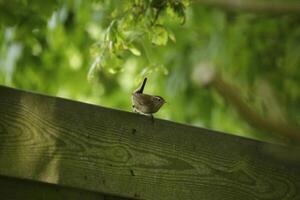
[[115, 70], [171, 36], [179, 9], [161, 68], [96, 65], [111, 31], [159, 35], [147, 71], [134, 50]]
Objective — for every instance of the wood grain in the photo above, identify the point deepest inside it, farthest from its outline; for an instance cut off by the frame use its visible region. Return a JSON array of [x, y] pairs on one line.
[[84, 146]]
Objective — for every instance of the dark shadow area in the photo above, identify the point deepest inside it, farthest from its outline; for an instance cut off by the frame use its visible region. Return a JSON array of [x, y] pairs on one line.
[[14, 188]]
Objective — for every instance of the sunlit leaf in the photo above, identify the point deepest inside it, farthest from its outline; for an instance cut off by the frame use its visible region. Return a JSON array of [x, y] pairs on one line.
[[171, 36], [115, 70], [134, 51], [159, 35], [95, 49], [162, 69], [146, 72], [96, 65], [112, 70]]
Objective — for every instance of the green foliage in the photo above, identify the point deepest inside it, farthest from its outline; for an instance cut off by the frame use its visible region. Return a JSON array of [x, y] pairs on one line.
[[116, 44], [130, 23]]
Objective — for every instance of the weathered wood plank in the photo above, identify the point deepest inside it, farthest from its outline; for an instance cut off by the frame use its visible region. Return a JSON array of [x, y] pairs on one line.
[[74, 144]]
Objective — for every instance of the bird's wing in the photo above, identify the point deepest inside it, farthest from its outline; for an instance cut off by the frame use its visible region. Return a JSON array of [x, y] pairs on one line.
[[142, 99]]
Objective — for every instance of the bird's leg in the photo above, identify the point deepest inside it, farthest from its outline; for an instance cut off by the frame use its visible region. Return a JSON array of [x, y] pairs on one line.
[[152, 118], [149, 115]]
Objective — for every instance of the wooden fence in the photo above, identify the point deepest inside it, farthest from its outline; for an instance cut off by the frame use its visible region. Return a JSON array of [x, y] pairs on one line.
[[53, 148]]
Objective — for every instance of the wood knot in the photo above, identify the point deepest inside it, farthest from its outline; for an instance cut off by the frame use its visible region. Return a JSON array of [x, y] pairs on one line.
[[132, 172], [133, 131], [136, 195]]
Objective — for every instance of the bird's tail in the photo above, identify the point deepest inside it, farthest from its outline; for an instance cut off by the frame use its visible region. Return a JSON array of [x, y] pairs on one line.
[[141, 89]]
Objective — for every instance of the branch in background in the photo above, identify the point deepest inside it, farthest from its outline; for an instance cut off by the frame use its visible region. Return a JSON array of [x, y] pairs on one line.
[[273, 7], [207, 75]]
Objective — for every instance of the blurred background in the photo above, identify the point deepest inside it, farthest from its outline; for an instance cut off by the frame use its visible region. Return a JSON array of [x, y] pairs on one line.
[[224, 66]]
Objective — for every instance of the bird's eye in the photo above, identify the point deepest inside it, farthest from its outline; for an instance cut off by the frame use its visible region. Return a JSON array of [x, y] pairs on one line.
[[157, 98]]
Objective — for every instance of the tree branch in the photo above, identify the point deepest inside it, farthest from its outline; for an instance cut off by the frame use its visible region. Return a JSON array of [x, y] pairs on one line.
[[208, 76]]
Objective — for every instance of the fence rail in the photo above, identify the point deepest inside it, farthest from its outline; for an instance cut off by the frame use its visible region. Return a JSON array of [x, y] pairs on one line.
[[72, 144]]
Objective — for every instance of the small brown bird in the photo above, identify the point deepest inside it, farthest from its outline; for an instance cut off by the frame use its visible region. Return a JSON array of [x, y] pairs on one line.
[[144, 103]]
